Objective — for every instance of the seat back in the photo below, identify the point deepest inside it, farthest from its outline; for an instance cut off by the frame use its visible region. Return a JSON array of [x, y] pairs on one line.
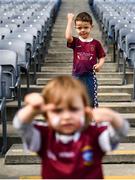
[[30, 30], [118, 27], [16, 45], [130, 48], [8, 64], [26, 37], [122, 35], [4, 31]]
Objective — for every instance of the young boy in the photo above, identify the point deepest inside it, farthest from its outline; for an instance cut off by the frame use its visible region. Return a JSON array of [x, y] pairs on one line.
[[88, 54], [69, 144]]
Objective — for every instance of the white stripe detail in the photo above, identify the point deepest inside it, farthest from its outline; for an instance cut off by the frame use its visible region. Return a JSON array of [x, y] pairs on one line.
[[104, 141]]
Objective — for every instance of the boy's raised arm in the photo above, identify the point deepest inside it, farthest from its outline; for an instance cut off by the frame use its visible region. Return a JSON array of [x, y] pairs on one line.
[[68, 32]]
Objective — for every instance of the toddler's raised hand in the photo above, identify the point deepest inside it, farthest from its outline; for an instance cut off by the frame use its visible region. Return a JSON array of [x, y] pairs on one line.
[[37, 102], [105, 115], [34, 105], [34, 99], [102, 114], [108, 115]]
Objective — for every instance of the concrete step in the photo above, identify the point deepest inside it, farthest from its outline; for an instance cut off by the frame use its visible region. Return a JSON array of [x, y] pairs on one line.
[[57, 43], [102, 96], [105, 81], [118, 89], [13, 136], [68, 67], [23, 172], [59, 50], [119, 171], [50, 72], [101, 89], [124, 107], [125, 153], [60, 64], [55, 69], [49, 65], [114, 97], [57, 60], [114, 100], [61, 58]]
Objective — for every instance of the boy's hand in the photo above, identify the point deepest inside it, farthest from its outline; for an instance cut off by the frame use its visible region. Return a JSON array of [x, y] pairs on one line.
[[97, 67], [70, 16]]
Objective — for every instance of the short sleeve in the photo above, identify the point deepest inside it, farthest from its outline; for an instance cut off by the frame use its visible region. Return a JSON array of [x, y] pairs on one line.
[[100, 50], [72, 44]]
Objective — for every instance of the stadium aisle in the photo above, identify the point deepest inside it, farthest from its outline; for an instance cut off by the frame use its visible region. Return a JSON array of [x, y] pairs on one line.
[[112, 94]]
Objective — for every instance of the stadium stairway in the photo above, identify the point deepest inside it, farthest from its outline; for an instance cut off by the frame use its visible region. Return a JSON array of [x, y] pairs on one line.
[[119, 164]]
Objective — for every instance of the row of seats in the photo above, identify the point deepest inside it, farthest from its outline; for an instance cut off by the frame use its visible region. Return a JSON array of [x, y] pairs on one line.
[[24, 37], [118, 27]]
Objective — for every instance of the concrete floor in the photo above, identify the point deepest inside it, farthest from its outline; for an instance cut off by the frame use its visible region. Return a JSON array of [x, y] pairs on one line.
[[121, 171]]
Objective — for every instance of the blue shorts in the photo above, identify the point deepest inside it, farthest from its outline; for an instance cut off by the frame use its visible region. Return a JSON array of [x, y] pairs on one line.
[[90, 81]]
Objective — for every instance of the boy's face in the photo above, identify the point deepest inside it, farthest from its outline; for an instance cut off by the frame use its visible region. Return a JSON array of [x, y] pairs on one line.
[[83, 29], [67, 120]]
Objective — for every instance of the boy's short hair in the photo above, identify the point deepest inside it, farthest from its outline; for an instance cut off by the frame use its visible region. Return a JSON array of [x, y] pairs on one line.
[[84, 16]]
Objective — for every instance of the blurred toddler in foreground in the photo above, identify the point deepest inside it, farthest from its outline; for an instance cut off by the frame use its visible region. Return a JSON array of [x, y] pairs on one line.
[[74, 138]]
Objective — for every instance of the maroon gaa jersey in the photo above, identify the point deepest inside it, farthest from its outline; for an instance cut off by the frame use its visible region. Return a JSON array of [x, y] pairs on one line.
[[74, 160], [85, 55]]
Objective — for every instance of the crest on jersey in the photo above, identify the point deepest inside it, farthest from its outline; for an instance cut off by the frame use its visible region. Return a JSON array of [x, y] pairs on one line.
[[87, 155]]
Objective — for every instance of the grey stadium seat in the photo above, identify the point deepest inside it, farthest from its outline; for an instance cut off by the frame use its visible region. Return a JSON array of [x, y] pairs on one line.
[[9, 88], [20, 48]]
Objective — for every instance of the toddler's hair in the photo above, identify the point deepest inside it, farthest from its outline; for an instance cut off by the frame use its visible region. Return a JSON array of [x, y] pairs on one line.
[[84, 16], [64, 88]]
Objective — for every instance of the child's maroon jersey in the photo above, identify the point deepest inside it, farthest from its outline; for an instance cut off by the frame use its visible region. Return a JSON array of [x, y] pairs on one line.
[[85, 55], [76, 159]]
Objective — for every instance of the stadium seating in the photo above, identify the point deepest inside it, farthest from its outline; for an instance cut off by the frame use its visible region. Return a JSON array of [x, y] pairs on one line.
[[9, 88], [118, 25], [25, 28]]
